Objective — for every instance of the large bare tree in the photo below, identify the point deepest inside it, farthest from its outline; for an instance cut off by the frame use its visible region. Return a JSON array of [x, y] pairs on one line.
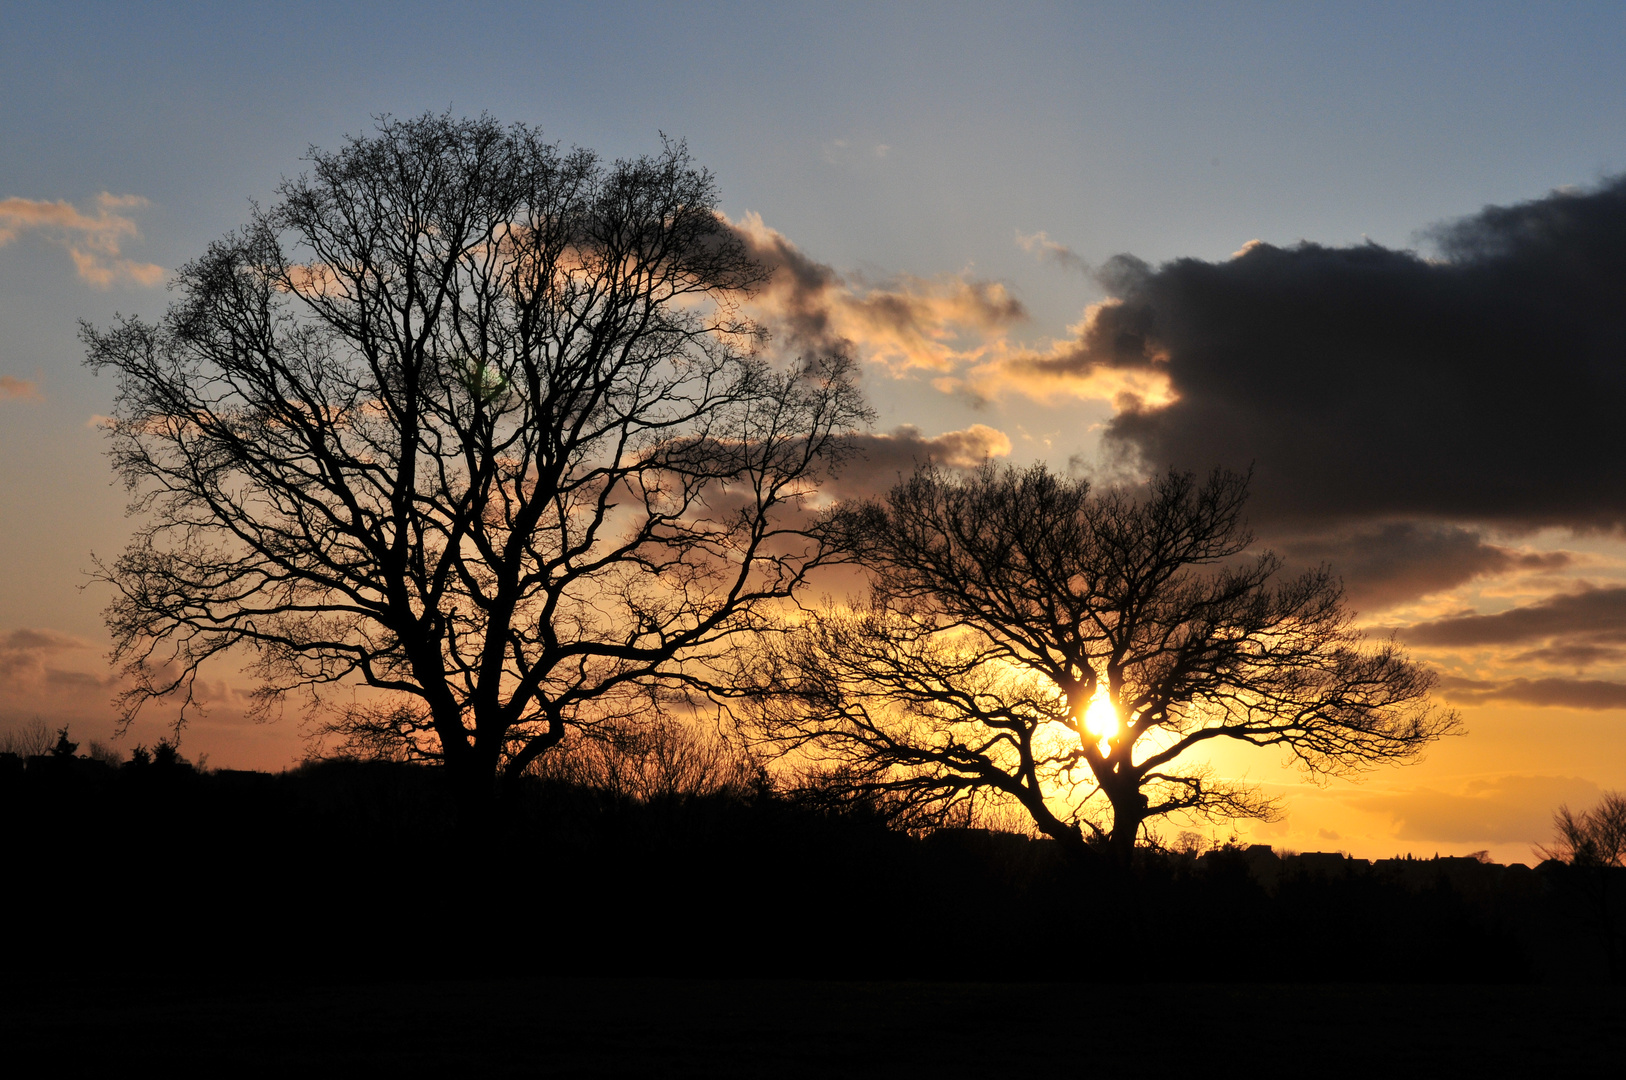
[[1060, 648], [472, 421]]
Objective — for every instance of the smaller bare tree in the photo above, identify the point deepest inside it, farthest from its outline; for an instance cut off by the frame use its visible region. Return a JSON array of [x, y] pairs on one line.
[[1595, 843], [1029, 638], [1595, 837], [661, 757], [30, 739]]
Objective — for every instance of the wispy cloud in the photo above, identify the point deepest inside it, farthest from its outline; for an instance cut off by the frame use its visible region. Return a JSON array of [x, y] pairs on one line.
[[1571, 630], [905, 323], [1042, 247], [1388, 563], [885, 459], [957, 327], [1500, 809], [94, 241], [1557, 693], [27, 658], [846, 152], [1597, 614], [16, 389], [1068, 368]]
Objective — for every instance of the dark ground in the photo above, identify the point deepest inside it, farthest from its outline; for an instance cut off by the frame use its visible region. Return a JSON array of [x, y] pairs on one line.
[[327, 921], [722, 1028]]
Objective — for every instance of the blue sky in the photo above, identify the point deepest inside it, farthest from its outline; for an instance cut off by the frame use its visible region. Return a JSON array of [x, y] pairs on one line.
[[907, 146]]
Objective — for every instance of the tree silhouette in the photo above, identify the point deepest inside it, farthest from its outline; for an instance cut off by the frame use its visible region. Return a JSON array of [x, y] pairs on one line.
[[473, 421], [1595, 837], [1029, 638], [64, 748], [651, 760], [1593, 844]]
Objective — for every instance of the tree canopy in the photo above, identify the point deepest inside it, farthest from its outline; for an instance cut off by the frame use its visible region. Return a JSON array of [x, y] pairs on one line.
[[1029, 638], [473, 421]]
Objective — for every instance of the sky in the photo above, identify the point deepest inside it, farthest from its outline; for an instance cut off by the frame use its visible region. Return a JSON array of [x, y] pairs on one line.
[[1374, 251]]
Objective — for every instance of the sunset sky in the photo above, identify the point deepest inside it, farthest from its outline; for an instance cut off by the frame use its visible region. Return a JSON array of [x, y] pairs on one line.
[[1376, 251]]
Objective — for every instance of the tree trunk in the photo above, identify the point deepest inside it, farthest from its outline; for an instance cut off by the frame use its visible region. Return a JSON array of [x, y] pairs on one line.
[[472, 775], [1072, 841], [1128, 811]]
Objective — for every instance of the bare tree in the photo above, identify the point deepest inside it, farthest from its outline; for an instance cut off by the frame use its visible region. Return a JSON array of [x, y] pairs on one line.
[[1594, 842], [25, 740], [474, 422], [662, 758], [1029, 637], [1595, 837]]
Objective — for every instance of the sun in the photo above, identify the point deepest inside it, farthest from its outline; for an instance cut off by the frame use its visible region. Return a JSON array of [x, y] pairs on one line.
[[1101, 718]]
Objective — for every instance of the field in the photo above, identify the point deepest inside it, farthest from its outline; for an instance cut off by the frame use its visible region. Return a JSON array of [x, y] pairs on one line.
[[693, 1028]]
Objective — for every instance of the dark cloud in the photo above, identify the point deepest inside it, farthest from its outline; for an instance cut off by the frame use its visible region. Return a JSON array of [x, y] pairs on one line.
[[1558, 693], [802, 290], [883, 460], [1598, 616], [1370, 382], [1394, 562], [1573, 655]]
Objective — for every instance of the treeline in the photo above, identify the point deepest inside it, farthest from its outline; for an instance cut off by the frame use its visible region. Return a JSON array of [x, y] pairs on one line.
[[346, 869]]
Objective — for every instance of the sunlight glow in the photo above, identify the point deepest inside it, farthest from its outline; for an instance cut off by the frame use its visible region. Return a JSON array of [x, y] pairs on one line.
[[1101, 718]]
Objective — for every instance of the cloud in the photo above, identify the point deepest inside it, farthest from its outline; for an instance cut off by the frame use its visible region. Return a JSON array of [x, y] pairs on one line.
[[93, 241], [935, 324], [36, 670], [843, 152], [61, 681], [1590, 694], [34, 643], [955, 326], [27, 659], [1597, 615], [1394, 562], [1573, 655], [1483, 386], [1042, 247], [883, 460], [58, 679], [17, 389], [1069, 367], [1500, 810]]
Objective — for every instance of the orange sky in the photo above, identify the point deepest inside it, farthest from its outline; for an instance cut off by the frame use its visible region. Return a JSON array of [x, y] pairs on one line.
[[1429, 391]]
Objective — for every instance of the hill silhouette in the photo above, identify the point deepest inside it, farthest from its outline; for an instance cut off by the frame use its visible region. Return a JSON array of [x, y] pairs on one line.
[[348, 869]]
